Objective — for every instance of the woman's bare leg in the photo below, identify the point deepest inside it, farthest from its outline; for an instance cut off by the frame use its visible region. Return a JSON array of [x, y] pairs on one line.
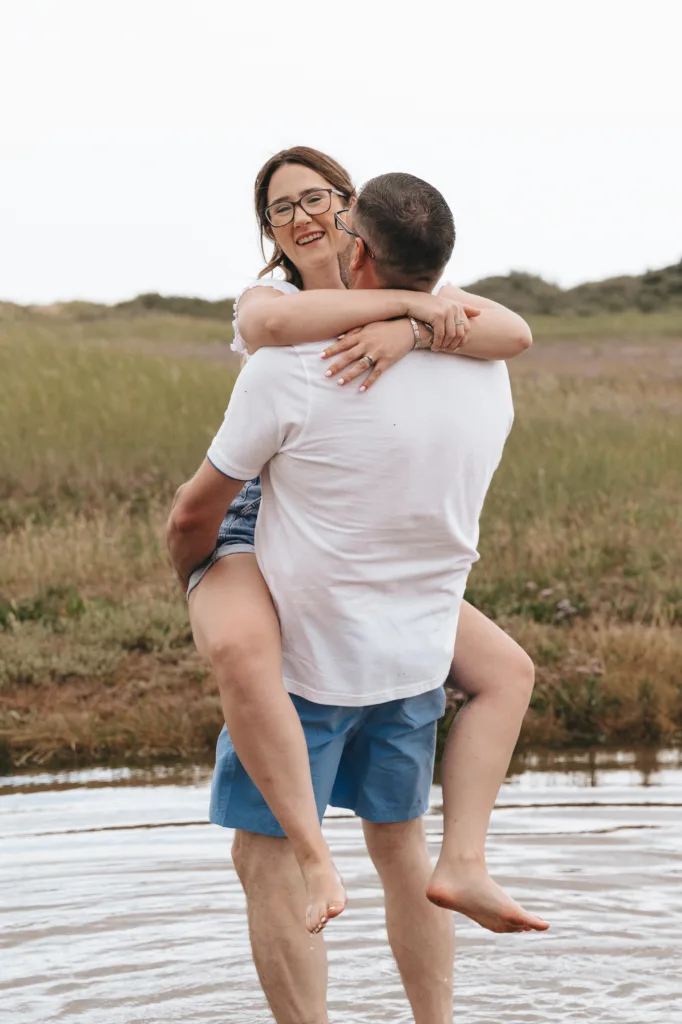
[[497, 676], [237, 631]]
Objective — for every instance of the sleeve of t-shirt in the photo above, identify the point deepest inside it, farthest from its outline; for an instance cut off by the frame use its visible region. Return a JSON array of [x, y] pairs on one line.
[[267, 412]]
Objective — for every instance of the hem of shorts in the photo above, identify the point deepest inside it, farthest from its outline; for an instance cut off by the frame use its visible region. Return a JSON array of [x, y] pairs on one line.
[[261, 826], [390, 814], [229, 548], [361, 700], [226, 548], [265, 827]]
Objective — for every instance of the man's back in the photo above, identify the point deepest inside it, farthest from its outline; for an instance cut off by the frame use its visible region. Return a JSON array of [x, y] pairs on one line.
[[369, 520]]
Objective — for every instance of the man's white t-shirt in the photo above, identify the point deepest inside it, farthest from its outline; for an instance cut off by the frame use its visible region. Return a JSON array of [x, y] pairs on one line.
[[368, 524]]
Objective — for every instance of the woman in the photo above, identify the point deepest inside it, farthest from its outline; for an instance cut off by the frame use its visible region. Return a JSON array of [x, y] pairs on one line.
[[298, 194]]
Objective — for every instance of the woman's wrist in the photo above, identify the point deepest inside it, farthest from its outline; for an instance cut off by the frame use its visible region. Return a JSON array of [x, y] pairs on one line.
[[423, 333]]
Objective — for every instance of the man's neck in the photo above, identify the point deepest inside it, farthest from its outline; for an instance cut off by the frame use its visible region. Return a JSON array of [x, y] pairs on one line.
[[367, 277], [323, 277]]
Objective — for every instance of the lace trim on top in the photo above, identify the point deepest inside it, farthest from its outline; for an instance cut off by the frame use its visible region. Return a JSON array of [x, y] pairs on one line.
[[264, 282]]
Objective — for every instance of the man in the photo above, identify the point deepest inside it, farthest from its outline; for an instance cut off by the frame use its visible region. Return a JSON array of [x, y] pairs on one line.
[[366, 535]]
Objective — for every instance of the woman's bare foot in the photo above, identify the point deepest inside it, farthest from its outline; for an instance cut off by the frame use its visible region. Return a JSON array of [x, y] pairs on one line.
[[466, 886], [326, 895]]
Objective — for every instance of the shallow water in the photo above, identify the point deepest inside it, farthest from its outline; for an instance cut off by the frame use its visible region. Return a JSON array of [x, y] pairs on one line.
[[119, 905]]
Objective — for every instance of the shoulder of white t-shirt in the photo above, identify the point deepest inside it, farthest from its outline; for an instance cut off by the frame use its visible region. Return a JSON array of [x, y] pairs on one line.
[[286, 287]]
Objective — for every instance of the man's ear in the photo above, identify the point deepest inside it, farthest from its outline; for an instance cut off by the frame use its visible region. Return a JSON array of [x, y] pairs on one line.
[[358, 256]]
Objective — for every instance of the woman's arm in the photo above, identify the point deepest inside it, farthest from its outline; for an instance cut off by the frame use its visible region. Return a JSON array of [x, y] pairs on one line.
[[268, 318], [497, 333], [505, 335], [494, 333]]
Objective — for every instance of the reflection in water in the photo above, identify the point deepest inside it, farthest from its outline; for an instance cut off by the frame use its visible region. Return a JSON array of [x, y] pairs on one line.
[[119, 904]]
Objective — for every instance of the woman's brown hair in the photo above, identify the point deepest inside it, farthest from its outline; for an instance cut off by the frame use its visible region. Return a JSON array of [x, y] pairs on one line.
[[331, 171]]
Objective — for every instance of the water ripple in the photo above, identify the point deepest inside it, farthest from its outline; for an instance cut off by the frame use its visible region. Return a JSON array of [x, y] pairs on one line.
[[119, 906]]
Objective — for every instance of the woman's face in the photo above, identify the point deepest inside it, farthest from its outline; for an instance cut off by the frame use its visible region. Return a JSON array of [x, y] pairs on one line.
[[311, 240]]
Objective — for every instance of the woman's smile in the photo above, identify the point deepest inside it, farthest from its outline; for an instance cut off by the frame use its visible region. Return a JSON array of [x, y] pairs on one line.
[[309, 237]]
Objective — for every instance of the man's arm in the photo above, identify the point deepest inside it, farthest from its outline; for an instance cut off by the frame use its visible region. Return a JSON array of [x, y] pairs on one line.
[[198, 510], [268, 406], [497, 333]]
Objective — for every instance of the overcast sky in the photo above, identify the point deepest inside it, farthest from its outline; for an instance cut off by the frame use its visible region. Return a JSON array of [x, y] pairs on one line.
[[131, 132]]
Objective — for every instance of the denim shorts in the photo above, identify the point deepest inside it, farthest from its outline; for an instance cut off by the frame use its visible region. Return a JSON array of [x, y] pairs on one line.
[[237, 531], [376, 761]]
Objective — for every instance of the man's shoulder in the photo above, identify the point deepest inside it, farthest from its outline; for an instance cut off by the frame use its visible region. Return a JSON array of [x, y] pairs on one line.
[[487, 375], [479, 385], [466, 367], [264, 359], [485, 370], [313, 347], [308, 355], [278, 367]]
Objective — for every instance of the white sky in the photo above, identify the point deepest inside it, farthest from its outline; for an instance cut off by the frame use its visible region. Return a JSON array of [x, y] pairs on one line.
[[131, 132]]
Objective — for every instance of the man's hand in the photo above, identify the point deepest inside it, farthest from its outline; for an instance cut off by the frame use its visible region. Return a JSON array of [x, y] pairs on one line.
[[198, 511]]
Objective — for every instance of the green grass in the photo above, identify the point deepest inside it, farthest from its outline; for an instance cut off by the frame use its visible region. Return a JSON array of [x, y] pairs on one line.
[[627, 326], [85, 424], [581, 538], [164, 330]]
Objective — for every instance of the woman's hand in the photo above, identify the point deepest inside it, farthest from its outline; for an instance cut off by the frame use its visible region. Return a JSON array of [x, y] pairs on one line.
[[385, 342], [463, 316], [448, 318]]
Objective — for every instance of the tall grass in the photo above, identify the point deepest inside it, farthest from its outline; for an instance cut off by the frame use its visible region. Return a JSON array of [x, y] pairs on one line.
[[86, 424], [631, 325], [581, 539]]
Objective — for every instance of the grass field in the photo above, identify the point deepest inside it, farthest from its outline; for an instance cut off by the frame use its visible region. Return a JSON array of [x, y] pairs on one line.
[[102, 419]]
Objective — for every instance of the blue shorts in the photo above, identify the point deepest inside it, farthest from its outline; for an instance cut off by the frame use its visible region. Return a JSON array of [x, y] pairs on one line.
[[376, 761], [237, 532]]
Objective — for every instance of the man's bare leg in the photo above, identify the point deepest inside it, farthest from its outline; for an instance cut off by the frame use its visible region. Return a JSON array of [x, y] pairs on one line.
[[236, 630], [422, 937], [497, 676], [291, 963]]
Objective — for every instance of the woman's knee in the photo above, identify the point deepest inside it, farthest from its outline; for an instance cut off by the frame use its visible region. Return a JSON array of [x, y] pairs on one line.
[[238, 651], [234, 623], [493, 663], [519, 675]]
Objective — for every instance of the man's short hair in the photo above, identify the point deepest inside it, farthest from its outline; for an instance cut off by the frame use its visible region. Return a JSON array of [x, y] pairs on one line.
[[408, 226]]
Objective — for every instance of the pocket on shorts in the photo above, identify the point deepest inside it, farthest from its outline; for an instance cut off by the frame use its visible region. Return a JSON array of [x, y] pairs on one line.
[[251, 507]]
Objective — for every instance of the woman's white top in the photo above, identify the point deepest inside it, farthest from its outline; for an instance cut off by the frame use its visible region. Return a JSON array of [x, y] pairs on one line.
[[264, 282]]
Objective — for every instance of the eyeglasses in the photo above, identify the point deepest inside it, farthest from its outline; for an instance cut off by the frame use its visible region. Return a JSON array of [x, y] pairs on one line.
[[318, 201], [342, 226]]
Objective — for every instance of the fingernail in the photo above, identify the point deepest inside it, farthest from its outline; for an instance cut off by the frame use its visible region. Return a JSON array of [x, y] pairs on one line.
[[328, 373], [323, 356], [363, 388], [342, 381], [340, 336]]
